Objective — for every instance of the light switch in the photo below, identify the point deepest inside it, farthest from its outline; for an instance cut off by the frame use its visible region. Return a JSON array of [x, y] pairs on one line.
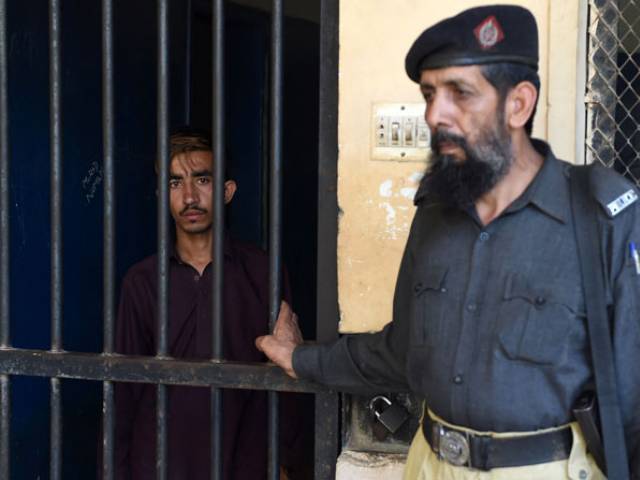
[[408, 129], [400, 132], [395, 133], [424, 137]]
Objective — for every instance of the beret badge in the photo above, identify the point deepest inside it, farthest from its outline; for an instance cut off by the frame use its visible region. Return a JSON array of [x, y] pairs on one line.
[[489, 32]]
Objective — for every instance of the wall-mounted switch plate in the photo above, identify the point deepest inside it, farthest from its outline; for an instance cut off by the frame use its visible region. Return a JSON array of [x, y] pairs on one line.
[[399, 132]]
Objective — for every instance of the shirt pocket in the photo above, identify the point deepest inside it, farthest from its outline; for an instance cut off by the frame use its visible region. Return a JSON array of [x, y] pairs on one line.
[[430, 295], [535, 320]]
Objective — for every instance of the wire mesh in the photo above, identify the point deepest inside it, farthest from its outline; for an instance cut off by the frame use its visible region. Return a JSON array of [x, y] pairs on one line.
[[613, 86]]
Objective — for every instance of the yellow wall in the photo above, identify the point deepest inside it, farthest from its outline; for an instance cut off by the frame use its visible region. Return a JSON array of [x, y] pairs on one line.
[[375, 196]]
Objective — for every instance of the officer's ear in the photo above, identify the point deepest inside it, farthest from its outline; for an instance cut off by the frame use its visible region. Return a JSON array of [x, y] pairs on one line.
[[520, 104], [230, 188]]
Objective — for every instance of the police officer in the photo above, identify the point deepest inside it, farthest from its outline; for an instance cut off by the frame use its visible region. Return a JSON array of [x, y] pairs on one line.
[[489, 321]]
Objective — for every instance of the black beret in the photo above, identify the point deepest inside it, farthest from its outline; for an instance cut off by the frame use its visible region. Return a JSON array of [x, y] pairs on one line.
[[481, 35]]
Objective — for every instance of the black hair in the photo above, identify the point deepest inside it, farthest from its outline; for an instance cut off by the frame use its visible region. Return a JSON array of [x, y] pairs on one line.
[[504, 76], [190, 139]]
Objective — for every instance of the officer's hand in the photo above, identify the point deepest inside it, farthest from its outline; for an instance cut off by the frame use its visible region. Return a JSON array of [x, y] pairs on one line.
[[286, 336]]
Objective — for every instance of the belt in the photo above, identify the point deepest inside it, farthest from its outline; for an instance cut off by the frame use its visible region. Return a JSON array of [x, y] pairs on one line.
[[484, 452]]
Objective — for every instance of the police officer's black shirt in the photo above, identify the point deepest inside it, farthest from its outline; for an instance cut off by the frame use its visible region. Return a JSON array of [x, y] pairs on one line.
[[489, 321]]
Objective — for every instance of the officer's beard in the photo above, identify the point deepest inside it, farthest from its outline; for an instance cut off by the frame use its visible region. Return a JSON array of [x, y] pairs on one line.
[[459, 182]]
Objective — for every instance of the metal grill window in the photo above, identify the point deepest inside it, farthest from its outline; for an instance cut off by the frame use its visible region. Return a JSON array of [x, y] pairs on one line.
[[613, 85], [55, 363]]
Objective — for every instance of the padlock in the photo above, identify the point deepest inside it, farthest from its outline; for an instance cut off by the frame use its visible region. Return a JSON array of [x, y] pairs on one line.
[[391, 415]]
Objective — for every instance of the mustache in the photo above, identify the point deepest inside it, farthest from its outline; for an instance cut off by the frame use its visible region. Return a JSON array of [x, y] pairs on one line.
[[192, 208], [441, 135]]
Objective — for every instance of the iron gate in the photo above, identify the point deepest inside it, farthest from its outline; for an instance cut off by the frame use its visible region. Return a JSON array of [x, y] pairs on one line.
[[108, 367]]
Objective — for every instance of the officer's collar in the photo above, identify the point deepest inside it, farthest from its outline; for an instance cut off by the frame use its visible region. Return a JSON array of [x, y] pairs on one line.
[[549, 190]]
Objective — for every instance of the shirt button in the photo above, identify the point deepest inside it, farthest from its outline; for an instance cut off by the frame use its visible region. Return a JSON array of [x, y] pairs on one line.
[[484, 236], [540, 301], [417, 287], [583, 474], [443, 290], [196, 278], [457, 379], [471, 307]]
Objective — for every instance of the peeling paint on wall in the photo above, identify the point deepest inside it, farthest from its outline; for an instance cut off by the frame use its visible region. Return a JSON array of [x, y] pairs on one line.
[[397, 205], [391, 213], [385, 188]]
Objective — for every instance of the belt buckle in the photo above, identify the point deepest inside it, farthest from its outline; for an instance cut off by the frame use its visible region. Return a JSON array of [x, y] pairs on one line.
[[451, 446]]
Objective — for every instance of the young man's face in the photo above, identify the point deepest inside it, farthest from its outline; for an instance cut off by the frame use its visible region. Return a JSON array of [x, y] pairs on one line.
[[191, 191]]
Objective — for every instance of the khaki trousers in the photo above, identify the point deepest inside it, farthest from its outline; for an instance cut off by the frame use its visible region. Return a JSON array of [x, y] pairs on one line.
[[423, 464]]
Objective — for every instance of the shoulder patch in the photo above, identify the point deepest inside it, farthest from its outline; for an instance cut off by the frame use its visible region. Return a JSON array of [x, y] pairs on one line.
[[622, 202], [612, 191]]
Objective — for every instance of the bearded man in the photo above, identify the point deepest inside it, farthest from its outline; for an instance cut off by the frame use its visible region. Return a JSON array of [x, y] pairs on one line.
[[489, 322]]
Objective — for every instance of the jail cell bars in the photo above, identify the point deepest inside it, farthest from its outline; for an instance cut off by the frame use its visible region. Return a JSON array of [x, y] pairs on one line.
[[161, 369]]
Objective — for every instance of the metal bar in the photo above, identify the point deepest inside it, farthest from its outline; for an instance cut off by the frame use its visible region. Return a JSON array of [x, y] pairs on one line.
[[5, 319], [163, 229], [122, 368], [275, 214], [187, 63], [5, 338], [275, 177], [327, 404], [163, 176], [108, 410], [109, 176], [55, 122], [108, 421], [219, 148], [5, 427], [216, 433], [327, 246], [581, 81], [274, 437], [218, 174], [55, 472], [161, 435]]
